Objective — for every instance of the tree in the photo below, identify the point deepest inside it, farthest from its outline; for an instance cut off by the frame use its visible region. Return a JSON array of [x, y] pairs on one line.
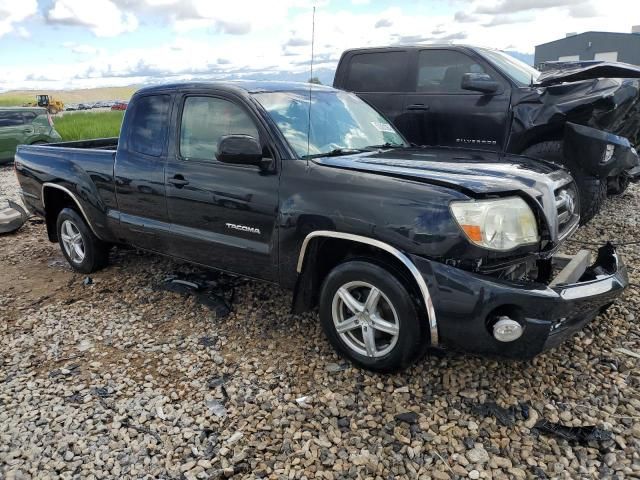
[[315, 80]]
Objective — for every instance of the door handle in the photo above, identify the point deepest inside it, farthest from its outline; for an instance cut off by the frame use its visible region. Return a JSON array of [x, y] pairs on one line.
[[418, 106], [28, 130], [178, 181]]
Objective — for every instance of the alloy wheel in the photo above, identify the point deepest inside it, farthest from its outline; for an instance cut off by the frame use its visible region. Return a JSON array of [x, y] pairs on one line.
[[365, 319], [72, 241]]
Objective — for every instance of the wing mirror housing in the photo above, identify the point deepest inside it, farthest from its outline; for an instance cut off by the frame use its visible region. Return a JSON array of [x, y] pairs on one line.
[[479, 82], [240, 150]]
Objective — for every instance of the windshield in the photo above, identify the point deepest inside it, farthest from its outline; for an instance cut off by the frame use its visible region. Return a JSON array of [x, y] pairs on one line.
[[339, 121], [518, 71]]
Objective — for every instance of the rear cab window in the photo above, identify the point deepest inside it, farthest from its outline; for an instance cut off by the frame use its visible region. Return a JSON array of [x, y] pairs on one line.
[[378, 72], [149, 122]]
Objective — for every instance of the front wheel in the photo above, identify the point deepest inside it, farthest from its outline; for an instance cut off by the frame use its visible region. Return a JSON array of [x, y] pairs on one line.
[[370, 318], [84, 251]]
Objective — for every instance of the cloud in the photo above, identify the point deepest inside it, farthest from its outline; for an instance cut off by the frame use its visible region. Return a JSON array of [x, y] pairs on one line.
[[297, 42], [506, 19], [85, 49], [13, 12], [464, 17], [383, 22], [232, 28], [102, 17], [584, 10], [22, 32], [515, 6]]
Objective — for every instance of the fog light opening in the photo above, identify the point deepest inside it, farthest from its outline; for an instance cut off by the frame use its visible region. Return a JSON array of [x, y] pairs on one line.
[[506, 329]]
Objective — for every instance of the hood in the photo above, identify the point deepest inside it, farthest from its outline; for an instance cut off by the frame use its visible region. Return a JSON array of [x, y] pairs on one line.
[[474, 172], [599, 70]]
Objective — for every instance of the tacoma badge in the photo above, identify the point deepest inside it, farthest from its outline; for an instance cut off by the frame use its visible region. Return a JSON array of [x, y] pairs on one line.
[[243, 228]]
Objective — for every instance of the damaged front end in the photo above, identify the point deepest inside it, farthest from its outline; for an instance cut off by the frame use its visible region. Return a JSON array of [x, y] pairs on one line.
[[488, 314], [597, 116]]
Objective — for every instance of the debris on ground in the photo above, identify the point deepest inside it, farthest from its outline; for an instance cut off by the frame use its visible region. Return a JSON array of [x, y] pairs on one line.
[[582, 435], [407, 417], [217, 408], [87, 281], [336, 367], [626, 351], [214, 290], [12, 217], [505, 416]]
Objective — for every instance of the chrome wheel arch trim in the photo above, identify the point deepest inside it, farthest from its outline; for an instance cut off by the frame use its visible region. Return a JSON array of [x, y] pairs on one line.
[[73, 197], [422, 285]]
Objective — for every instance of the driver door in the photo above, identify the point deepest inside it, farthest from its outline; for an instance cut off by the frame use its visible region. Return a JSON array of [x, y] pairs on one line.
[[222, 215], [439, 112]]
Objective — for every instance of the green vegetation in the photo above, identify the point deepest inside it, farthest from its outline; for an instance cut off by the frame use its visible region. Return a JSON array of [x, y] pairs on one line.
[[14, 100], [87, 125]]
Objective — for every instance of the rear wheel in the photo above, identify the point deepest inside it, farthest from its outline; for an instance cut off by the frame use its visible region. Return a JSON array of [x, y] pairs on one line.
[[370, 318], [592, 190], [84, 251]]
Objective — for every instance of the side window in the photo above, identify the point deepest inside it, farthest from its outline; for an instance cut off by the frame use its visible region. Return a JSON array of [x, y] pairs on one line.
[[29, 117], [205, 120], [378, 72], [441, 71], [149, 125], [11, 119]]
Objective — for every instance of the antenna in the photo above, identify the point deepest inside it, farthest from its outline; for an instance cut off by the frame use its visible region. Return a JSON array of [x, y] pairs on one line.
[[313, 37]]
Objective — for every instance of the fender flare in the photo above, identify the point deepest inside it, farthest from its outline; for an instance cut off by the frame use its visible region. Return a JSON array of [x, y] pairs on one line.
[[406, 261], [73, 197]]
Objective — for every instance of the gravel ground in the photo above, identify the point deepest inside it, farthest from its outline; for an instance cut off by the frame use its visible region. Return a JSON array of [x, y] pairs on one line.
[[121, 379]]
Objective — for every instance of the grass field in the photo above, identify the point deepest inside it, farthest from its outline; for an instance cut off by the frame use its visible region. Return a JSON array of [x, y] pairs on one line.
[[87, 125], [14, 100]]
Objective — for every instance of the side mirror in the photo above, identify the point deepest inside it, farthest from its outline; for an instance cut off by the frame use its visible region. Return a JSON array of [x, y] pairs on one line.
[[479, 82], [239, 149]]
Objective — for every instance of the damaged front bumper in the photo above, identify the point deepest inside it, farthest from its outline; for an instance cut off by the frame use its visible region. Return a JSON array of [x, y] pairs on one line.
[[467, 305], [600, 153]]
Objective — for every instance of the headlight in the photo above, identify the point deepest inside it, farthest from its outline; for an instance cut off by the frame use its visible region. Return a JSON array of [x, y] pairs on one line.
[[497, 224]]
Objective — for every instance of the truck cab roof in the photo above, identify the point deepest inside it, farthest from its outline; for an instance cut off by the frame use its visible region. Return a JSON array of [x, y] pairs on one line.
[[240, 86]]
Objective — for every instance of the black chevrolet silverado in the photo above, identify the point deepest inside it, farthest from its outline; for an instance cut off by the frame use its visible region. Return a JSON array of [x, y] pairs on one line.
[[401, 248], [585, 117]]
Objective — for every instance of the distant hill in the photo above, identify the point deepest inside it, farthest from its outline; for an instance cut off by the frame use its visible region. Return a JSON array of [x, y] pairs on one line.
[[18, 97]]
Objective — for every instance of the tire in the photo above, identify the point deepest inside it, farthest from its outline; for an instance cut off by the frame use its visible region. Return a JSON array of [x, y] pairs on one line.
[[401, 342], [592, 190], [618, 184], [85, 252]]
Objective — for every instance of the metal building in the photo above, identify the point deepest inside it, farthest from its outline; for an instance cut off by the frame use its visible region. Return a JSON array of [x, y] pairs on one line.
[[605, 46]]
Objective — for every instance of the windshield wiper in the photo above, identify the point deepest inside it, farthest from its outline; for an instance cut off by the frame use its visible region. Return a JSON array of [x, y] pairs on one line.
[[336, 152], [386, 145]]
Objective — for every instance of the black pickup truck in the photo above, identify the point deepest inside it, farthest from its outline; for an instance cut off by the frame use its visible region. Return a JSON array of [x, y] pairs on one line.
[[401, 248], [583, 117]]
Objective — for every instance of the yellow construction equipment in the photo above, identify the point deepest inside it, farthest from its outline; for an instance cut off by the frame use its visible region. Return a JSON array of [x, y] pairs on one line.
[[52, 106]]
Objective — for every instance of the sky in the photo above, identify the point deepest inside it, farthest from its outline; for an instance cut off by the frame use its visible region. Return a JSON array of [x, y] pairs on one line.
[[64, 44]]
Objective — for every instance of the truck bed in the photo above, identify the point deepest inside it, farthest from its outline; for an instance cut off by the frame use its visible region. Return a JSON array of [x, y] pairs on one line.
[[82, 168], [96, 144]]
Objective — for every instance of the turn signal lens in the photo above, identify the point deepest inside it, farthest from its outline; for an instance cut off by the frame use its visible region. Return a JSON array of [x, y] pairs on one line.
[[497, 224]]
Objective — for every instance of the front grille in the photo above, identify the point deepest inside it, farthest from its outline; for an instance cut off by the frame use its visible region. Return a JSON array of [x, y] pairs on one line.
[[567, 208]]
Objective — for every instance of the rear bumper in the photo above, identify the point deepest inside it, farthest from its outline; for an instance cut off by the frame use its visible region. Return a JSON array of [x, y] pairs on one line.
[[467, 304], [600, 153]]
